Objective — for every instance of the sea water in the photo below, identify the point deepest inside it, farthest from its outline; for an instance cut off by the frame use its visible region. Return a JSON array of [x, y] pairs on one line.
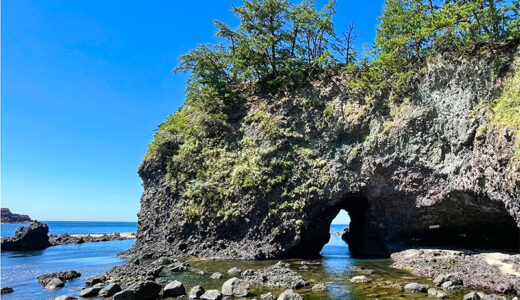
[[20, 269]]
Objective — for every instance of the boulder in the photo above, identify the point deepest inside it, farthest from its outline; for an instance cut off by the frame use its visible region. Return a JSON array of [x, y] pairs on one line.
[[268, 296], [174, 289], [234, 271], [91, 281], [319, 287], [6, 290], [196, 292], [216, 275], [432, 292], [90, 292], [289, 295], [276, 276], [63, 276], [471, 296], [110, 290], [162, 261], [415, 287], [140, 291], [33, 237], [248, 272], [65, 297], [211, 295], [54, 283], [360, 279], [235, 287]]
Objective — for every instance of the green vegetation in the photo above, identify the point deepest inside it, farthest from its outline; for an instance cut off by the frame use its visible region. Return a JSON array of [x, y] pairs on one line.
[[229, 137]]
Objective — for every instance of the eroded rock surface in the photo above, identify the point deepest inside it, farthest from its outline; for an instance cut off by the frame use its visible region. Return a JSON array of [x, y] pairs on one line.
[[495, 272], [418, 169], [33, 237]]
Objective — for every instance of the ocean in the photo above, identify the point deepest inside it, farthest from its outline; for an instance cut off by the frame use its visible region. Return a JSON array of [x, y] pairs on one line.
[[20, 269]]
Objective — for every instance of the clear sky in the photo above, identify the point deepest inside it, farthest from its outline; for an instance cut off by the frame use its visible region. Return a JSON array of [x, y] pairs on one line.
[[85, 84]]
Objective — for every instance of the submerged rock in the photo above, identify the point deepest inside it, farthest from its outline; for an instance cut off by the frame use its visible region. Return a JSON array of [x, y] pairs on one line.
[[63, 276], [6, 290], [319, 287], [360, 279], [66, 297], [33, 237], [415, 287]]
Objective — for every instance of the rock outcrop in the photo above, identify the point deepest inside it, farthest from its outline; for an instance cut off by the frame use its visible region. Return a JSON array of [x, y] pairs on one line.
[[33, 237], [7, 217], [424, 168]]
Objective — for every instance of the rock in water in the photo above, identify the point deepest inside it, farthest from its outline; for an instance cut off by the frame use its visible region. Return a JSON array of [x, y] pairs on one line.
[[63, 276], [109, 290], [174, 289], [6, 290], [235, 287], [33, 237], [424, 155], [415, 287], [140, 291], [91, 281], [212, 295], [65, 297], [54, 283], [289, 295], [276, 276], [359, 279], [90, 292], [319, 287], [196, 292]]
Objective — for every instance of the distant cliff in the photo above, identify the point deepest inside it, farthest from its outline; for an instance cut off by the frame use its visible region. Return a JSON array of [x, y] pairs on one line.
[[9, 217]]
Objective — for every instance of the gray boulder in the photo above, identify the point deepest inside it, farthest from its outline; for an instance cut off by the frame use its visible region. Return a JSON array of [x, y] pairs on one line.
[[216, 275], [268, 296], [211, 295], [91, 281], [432, 292], [234, 271], [471, 296], [248, 272], [54, 283], [140, 291], [90, 292], [162, 261], [174, 289], [65, 297], [110, 290], [196, 292], [289, 295], [235, 287], [359, 279], [415, 287]]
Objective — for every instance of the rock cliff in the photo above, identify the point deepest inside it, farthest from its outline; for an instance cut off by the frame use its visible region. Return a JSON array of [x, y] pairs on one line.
[[9, 217], [425, 168]]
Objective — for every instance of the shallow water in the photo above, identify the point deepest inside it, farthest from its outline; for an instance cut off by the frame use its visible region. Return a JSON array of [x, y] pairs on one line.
[[20, 269]]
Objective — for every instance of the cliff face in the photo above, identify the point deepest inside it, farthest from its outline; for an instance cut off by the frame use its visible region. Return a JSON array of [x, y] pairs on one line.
[[424, 169]]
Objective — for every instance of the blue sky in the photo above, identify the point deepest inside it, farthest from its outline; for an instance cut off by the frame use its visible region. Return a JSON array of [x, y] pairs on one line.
[[85, 84]]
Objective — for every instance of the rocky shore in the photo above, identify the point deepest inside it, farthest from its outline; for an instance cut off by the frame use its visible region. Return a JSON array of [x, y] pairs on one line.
[[7, 217], [36, 237], [452, 270]]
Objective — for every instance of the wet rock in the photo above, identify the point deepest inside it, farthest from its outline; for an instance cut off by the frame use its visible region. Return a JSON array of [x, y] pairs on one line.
[[90, 292], [33, 237], [268, 296], [319, 287], [196, 292], [361, 270], [432, 292], [276, 276], [54, 283], [212, 295], [65, 297], [140, 291], [6, 290], [415, 287], [360, 279], [234, 271], [235, 287], [63, 276], [216, 275], [174, 289], [91, 281], [110, 290], [471, 296], [289, 295]]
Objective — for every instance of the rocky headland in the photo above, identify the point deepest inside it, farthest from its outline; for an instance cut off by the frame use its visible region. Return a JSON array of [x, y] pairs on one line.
[[7, 217], [36, 237]]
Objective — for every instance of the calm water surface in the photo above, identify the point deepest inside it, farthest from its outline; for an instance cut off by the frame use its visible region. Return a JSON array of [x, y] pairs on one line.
[[20, 269]]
